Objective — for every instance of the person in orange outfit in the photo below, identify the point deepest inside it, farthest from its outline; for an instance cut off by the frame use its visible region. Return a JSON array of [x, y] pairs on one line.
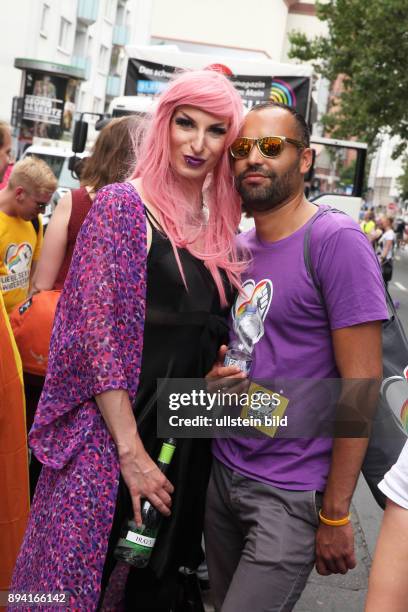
[[14, 498]]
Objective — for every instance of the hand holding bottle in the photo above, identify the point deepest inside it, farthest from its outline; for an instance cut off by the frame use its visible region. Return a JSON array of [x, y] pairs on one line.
[[141, 475], [137, 541], [144, 480], [223, 376]]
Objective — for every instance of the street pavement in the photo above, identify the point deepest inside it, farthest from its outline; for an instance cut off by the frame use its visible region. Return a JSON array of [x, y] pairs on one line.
[[347, 593]]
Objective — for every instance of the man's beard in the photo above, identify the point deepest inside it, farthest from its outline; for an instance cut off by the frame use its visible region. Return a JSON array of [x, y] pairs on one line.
[[261, 198]]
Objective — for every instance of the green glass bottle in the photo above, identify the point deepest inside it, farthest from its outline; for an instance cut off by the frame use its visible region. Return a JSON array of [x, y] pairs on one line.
[[135, 544]]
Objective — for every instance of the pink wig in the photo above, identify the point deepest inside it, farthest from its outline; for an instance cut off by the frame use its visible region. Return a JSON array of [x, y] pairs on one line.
[[181, 217]]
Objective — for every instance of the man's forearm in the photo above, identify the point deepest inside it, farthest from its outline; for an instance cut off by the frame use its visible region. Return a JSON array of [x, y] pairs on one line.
[[347, 458]]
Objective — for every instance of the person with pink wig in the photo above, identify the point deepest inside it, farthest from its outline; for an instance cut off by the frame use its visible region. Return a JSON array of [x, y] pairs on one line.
[[145, 298]]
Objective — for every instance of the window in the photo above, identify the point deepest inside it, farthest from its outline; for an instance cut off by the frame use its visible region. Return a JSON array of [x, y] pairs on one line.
[[103, 59], [63, 38], [110, 9], [44, 19]]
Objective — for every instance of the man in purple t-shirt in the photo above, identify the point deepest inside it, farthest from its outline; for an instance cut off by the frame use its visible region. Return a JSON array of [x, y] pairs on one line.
[[263, 527]]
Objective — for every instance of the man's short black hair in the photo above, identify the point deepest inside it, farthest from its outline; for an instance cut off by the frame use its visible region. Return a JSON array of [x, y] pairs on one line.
[[303, 128]]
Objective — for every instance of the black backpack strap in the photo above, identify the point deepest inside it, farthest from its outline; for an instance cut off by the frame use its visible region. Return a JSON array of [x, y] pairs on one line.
[[312, 272], [36, 224], [307, 257]]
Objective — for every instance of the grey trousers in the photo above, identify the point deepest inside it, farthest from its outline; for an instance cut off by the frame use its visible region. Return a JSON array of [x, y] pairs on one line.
[[260, 542]]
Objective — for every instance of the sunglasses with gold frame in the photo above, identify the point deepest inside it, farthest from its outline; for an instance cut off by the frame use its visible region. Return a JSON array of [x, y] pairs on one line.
[[268, 146]]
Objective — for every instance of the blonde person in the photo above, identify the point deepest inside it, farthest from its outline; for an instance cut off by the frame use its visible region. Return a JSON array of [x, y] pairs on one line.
[[30, 187], [368, 223], [145, 298]]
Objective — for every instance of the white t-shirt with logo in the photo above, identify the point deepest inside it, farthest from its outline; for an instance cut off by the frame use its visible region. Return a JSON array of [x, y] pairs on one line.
[[395, 482]]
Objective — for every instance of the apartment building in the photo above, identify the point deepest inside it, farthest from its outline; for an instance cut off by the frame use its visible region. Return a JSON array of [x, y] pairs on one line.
[[89, 35]]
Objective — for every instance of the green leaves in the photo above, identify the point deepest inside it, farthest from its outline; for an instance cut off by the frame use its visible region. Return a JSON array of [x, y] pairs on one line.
[[367, 44]]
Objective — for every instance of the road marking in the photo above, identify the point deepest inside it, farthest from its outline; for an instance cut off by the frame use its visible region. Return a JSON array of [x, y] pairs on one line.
[[400, 286]]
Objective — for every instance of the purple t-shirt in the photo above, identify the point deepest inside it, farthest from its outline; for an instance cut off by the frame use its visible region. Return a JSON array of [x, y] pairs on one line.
[[296, 341]]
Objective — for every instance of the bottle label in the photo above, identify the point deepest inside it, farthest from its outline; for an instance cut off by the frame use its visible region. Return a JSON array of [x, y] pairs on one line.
[[166, 453], [243, 364], [140, 539]]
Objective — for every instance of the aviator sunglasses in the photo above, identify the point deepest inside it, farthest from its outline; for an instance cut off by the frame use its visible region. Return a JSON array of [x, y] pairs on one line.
[[268, 146]]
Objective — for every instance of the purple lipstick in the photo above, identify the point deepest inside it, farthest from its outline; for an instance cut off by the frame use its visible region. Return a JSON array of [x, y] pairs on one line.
[[194, 162]]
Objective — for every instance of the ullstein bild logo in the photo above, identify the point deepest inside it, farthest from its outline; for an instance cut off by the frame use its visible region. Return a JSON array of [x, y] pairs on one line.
[[137, 538]]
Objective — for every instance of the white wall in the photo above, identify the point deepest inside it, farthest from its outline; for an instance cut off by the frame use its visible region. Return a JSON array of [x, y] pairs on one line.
[[308, 24], [141, 21], [258, 25], [15, 34]]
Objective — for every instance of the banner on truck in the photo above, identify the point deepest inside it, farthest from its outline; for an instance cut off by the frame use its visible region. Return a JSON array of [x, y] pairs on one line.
[[146, 78]]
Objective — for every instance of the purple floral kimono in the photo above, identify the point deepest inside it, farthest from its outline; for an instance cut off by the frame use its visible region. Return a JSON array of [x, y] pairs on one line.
[[96, 346]]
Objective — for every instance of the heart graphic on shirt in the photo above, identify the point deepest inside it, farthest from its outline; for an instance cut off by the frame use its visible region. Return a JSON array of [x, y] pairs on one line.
[[259, 295], [18, 257]]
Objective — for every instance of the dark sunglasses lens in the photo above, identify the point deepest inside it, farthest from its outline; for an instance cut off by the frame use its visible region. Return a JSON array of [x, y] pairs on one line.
[[271, 146], [241, 148]]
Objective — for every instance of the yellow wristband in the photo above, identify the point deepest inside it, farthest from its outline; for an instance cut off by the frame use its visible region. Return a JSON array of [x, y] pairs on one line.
[[333, 523]]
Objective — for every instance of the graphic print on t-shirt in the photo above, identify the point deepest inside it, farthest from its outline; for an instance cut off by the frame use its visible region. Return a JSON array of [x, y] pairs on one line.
[[394, 390], [258, 295], [17, 261]]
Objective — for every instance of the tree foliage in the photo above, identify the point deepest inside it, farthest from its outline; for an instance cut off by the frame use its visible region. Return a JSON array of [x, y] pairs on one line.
[[367, 43]]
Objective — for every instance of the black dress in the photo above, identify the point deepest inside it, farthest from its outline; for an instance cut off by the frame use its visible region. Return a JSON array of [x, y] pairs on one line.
[[183, 331]]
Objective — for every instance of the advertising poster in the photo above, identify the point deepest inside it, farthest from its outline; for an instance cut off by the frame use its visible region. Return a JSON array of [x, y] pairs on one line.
[[44, 99], [146, 78]]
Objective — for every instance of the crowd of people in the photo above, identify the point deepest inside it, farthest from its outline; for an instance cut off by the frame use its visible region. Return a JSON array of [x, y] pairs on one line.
[[387, 235], [155, 283]]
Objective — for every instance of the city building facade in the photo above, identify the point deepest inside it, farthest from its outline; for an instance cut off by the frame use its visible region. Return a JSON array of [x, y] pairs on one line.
[[86, 34]]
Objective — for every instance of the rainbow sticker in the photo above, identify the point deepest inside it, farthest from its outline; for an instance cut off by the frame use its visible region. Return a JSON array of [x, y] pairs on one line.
[[282, 92], [404, 415]]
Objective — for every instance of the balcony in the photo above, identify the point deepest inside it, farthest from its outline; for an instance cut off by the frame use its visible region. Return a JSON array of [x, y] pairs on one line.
[[120, 35], [87, 11], [80, 61], [113, 86]]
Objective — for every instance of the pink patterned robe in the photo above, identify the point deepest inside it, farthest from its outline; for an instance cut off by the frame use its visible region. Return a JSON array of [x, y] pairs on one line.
[[96, 346]]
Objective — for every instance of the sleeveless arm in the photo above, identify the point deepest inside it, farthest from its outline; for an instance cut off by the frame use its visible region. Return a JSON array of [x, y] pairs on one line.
[[54, 247]]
